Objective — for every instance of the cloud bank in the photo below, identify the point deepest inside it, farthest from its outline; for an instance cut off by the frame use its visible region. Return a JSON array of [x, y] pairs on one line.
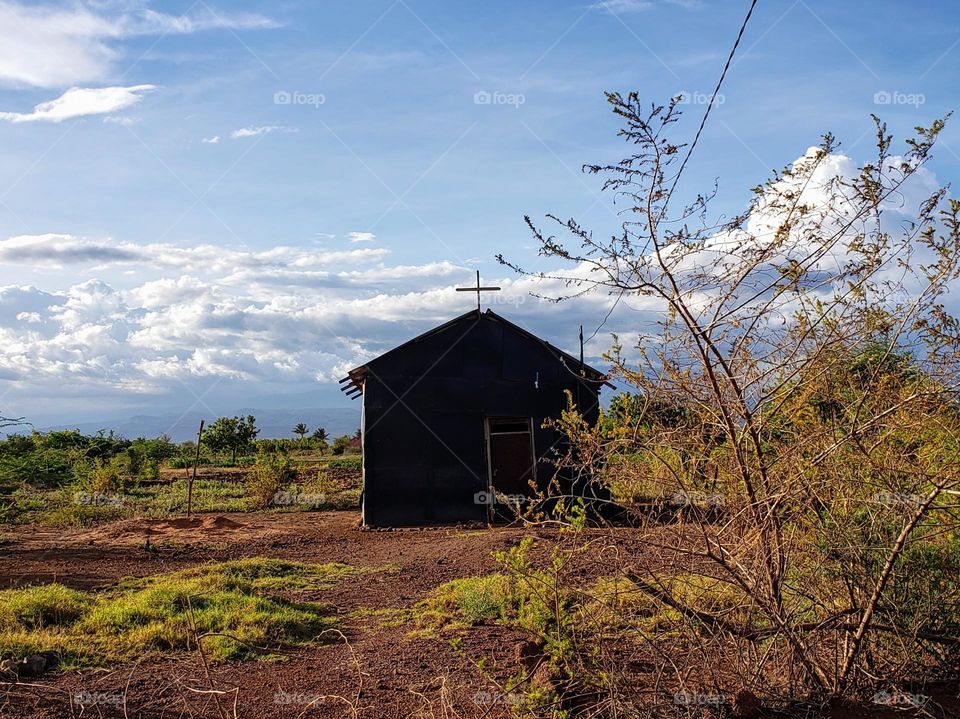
[[47, 47], [78, 102], [286, 317], [121, 318]]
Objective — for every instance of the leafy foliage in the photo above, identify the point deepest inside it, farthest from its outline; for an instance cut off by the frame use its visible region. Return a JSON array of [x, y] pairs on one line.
[[270, 474], [301, 430], [231, 434], [796, 416]]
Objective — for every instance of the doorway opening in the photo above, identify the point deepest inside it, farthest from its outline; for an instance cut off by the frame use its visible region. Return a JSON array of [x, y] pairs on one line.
[[512, 465]]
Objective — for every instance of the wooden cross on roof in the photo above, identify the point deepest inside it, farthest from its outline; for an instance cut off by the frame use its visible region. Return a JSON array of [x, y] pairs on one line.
[[478, 289]]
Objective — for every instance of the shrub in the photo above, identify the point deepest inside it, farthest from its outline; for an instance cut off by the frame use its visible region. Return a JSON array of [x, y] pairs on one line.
[[149, 470], [543, 601], [341, 444], [146, 456], [813, 400], [21, 505], [269, 474], [45, 468], [471, 599], [110, 477]]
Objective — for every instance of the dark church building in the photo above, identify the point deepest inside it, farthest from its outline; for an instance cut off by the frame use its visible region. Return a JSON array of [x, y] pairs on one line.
[[453, 419]]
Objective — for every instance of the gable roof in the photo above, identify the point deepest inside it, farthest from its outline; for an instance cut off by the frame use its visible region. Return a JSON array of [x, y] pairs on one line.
[[352, 384]]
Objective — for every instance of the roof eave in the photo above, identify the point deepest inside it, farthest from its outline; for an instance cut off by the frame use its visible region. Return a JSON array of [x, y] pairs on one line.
[[357, 375]]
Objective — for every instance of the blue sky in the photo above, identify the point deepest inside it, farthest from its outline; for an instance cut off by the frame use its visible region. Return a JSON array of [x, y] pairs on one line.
[[227, 202]]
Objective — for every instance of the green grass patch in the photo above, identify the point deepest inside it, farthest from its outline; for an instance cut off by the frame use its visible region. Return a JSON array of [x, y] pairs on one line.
[[618, 596], [618, 604], [50, 605], [209, 495], [707, 594], [83, 515], [465, 602], [24, 504], [323, 493], [249, 607], [352, 462], [60, 508]]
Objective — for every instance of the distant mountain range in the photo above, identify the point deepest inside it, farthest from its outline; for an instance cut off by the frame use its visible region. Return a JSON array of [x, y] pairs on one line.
[[272, 423]]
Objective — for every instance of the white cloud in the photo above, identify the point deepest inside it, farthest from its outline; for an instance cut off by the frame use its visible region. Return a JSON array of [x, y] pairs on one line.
[[211, 140], [168, 291], [48, 46], [254, 131], [402, 272], [106, 341], [79, 101], [282, 318], [283, 315], [362, 237], [150, 22], [624, 7], [124, 120], [62, 250], [620, 7]]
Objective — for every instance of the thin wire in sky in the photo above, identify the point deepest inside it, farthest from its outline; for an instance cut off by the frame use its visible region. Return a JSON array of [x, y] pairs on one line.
[[696, 139]]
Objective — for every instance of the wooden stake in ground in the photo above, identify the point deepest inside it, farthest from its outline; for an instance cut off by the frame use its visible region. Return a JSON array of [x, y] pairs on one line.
[[196, 461]]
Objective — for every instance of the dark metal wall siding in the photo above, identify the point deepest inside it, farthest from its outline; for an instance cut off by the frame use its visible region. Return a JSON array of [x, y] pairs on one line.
[[423, 463], [424, 449]]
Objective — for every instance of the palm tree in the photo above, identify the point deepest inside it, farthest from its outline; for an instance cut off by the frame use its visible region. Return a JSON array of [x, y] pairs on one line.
[[320, 436], [301, 430]]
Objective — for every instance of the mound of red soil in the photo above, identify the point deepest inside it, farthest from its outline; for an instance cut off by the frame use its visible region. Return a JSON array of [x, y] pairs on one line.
[[177, 530], [200, 522]]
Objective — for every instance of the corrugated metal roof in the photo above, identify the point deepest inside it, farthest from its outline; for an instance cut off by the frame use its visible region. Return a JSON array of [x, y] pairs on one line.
[[352, 384]]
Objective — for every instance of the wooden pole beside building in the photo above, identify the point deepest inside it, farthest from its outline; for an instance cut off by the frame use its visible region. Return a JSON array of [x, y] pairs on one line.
[[193, 478]]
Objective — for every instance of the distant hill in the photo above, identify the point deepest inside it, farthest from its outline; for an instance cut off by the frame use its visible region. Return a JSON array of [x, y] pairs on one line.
[[180, 427]]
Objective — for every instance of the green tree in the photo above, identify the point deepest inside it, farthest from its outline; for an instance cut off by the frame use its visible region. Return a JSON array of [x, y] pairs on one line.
[[320, 436], [301, 431], [146, 455], [341, 443], [220, 436], [246, 432], [231, 434]]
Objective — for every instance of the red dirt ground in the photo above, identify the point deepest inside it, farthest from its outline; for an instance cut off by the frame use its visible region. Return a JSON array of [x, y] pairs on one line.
[[369, 672], [395, 668]]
